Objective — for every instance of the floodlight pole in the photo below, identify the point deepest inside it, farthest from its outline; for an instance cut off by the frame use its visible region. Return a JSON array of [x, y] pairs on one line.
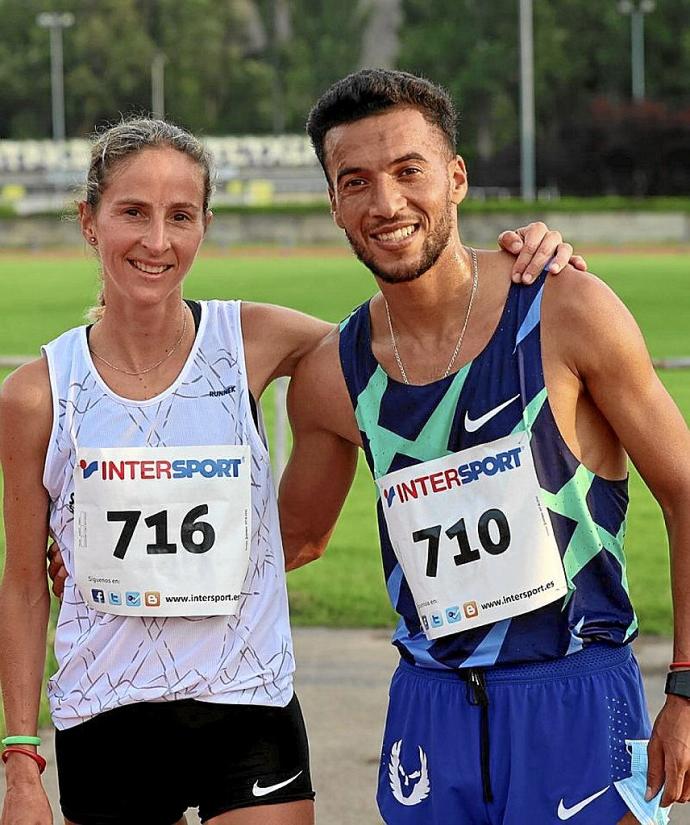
[[56, 22], [281, 35], [637, 10], [158, 85], [527, 120]]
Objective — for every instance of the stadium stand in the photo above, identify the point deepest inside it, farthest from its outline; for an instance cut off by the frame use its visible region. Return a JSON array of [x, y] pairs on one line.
[[43, 175]]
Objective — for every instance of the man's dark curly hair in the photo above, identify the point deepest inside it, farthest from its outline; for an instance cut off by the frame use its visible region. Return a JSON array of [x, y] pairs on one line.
[[371, 91]]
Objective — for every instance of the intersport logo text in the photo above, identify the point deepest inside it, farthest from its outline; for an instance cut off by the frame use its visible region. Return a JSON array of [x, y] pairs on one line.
[[130, 470], [441, 482]]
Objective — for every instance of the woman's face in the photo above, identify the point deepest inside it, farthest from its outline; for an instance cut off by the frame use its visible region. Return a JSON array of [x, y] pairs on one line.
[[148, 225]]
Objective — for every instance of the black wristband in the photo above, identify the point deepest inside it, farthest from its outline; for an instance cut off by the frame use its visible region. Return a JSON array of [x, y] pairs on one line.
[[678, 683]]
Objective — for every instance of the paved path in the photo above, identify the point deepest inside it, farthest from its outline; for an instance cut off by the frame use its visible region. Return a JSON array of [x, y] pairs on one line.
[[342, 682]]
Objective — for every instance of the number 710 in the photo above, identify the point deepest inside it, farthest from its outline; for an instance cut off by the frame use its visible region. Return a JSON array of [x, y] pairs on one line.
[[459, 531]]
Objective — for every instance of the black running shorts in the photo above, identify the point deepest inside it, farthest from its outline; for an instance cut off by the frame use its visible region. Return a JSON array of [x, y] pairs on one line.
[[150, 761]]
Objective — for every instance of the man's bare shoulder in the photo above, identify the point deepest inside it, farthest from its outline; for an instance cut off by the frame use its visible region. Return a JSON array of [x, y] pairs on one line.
[[319, 390], [582, 300], [495, 262], [495, 272], [319, 371], [586, 321], [499, 259], [326, 352]]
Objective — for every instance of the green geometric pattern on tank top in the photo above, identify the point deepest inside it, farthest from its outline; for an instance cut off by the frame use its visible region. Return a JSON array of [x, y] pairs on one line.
[[570, 501], [432, 441]]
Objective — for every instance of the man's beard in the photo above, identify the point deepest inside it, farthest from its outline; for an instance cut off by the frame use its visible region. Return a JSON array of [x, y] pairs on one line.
[[433, 247]]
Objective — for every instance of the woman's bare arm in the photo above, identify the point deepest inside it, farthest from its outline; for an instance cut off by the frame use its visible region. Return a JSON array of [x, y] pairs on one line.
[[25, 424]]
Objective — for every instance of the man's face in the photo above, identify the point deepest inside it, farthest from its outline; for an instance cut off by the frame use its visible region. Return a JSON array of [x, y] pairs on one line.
[[395, 188]]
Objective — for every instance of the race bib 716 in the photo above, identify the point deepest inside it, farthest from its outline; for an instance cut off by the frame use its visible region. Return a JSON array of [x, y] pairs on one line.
[[162, 531]]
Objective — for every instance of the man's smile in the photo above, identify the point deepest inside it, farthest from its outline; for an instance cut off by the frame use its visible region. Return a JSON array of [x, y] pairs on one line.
[[396, 235]]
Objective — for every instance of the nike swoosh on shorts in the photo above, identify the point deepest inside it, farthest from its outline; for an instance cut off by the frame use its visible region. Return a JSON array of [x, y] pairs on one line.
[[472, 425], [565, 813], [257, 790]]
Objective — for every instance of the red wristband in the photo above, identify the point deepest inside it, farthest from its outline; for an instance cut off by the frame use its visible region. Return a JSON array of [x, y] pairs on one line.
[[678, 665], [38, 759]]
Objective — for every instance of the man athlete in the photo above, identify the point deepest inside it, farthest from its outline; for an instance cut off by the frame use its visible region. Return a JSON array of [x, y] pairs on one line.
[[496, 420]]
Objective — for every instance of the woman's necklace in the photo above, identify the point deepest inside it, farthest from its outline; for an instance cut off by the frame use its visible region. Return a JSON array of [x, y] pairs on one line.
[[158, 363], [475, 283]]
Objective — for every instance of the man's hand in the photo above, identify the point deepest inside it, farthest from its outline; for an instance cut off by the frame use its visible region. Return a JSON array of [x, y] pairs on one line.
[[669, 753], [534, 245], [56, 569]]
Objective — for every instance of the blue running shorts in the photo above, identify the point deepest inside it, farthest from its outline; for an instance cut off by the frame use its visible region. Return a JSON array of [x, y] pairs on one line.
[[540, 743]]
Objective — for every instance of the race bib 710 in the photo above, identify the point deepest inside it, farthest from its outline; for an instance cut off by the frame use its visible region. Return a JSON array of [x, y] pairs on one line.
[[473, 537]]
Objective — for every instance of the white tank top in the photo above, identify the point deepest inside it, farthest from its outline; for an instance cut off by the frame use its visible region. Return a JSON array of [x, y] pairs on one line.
[[105, 660]]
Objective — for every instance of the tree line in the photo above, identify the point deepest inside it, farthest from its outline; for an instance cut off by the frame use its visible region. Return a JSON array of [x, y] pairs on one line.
[[256, 66]]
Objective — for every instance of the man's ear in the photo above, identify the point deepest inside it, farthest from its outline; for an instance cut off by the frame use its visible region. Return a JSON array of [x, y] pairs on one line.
[[458, 176], [334, 207], [208, 218]]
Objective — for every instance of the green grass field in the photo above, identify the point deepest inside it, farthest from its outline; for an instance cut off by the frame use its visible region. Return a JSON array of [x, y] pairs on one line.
[[43, 296]]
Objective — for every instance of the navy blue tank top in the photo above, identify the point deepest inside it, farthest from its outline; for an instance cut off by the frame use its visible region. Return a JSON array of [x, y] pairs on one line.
[[402, 425]]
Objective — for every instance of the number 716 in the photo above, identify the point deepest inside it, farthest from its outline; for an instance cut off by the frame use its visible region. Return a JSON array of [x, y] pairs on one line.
[[159, 523]]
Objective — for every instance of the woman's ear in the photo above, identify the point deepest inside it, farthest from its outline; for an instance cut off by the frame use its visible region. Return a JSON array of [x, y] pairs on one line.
[[87, 223]]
